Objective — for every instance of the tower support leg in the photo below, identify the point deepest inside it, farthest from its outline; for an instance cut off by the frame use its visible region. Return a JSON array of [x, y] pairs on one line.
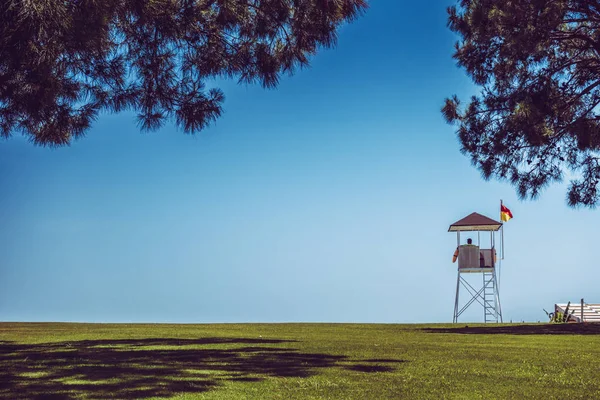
[[497, 293], [455, 318]]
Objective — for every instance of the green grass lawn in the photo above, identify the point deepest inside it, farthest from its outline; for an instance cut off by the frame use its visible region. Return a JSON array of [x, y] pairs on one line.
[[298, 361]]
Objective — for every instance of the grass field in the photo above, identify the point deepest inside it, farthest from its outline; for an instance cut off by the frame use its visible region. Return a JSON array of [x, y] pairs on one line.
[[298, 361]]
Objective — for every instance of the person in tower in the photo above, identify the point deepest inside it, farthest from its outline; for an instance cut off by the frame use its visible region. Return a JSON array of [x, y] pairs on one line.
[[469, 243]]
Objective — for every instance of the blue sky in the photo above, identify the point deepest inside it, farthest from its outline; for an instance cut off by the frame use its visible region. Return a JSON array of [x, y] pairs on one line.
[[327, 199]]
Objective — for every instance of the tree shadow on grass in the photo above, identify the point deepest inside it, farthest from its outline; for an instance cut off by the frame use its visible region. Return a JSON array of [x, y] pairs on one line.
[[142, 368], [541, 329], [369, 368]]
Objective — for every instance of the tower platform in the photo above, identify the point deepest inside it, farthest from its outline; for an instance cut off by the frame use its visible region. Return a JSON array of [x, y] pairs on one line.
[[476, 270]]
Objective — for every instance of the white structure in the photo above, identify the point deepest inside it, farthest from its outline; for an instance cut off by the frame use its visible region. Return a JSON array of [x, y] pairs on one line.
[[476, 261], [591, 312]]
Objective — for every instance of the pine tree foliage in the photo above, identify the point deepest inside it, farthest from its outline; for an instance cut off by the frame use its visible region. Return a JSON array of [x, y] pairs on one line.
[[63, 62], [537, 117]]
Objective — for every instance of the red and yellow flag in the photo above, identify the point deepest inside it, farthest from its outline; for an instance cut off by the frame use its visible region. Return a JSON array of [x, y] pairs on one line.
[[505, 213]]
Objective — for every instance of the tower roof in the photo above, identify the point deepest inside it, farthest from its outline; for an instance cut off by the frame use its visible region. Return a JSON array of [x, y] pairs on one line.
[[475, 222]]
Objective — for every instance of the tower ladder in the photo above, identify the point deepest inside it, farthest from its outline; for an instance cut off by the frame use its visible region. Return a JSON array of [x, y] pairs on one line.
[[491, 300]]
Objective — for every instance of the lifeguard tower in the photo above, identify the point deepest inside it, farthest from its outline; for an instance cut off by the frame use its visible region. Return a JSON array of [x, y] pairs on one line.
[[474, 261]]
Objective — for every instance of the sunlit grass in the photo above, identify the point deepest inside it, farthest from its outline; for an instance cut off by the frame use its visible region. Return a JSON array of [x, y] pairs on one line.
[[33, 374], [298, 361]]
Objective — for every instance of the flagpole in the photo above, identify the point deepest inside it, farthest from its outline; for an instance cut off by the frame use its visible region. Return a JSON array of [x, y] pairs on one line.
[[502, 243], [502, 233]]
